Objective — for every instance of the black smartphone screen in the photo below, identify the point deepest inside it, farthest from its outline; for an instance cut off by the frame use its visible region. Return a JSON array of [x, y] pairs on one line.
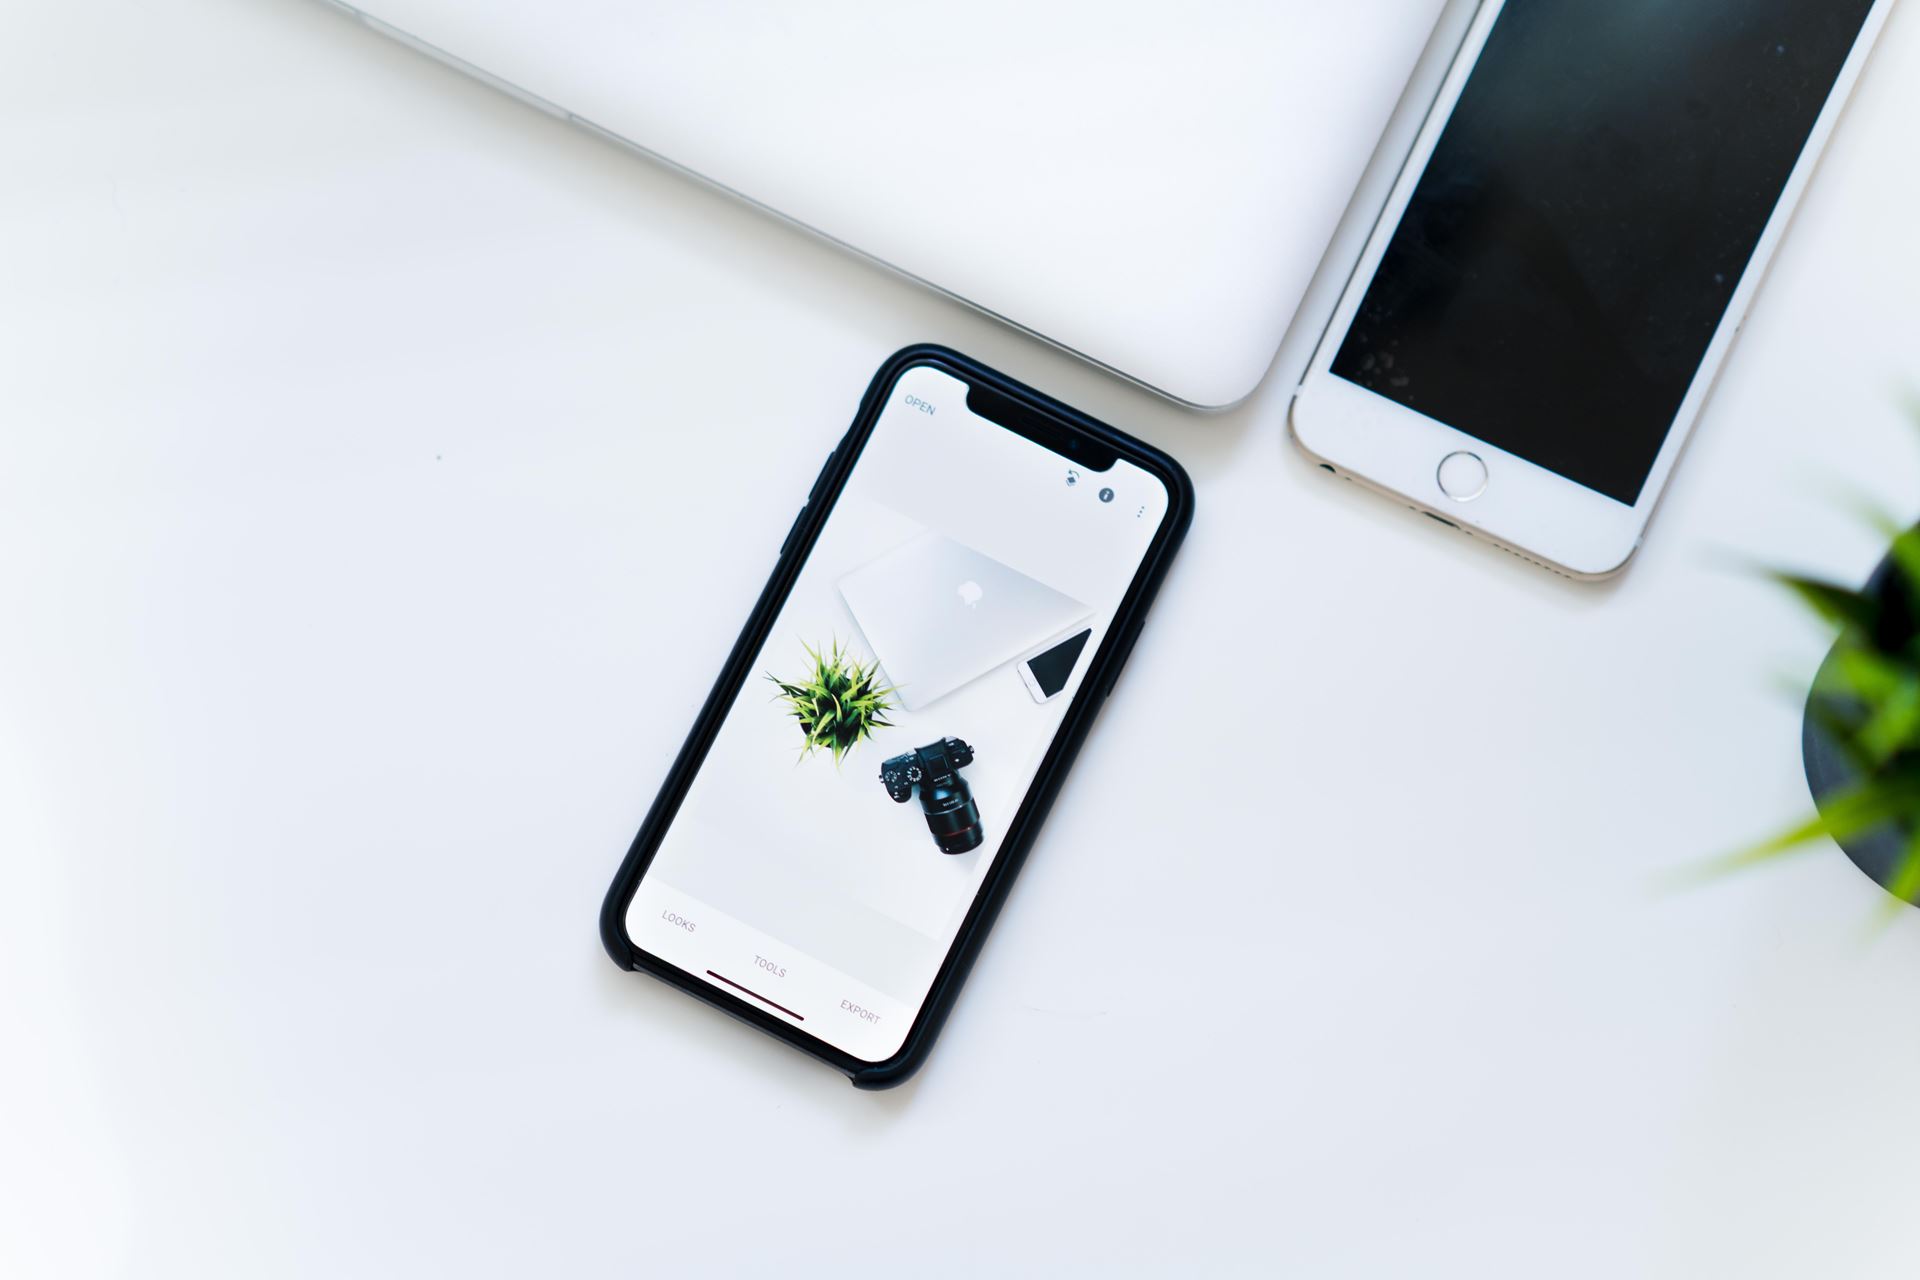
[[1595, 197], [1051, 669]]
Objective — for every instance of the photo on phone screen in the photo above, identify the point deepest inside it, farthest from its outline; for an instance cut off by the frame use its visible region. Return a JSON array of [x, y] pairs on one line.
[[827, 851]]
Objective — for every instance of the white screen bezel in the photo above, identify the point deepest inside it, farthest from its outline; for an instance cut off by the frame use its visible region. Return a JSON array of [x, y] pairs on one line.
[[1524, 506]]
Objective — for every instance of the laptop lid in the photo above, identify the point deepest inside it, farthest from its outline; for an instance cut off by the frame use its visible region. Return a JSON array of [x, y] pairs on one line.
[[1149, 186], [939, 615]]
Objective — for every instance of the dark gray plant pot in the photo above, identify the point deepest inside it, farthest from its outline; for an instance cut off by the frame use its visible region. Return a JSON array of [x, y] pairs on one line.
[[1879, 852]]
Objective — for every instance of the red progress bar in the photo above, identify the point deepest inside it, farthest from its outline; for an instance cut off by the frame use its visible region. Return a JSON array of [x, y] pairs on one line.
[[797, 1017]]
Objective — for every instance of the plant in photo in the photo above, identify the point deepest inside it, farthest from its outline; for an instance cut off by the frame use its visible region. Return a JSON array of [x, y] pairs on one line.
[[838, 704]]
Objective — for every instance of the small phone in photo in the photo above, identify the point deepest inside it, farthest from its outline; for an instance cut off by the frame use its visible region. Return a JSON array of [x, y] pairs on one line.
[[1046, 673]]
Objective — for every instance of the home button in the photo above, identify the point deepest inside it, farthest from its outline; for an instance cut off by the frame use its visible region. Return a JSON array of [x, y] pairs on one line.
[[1463, 477]]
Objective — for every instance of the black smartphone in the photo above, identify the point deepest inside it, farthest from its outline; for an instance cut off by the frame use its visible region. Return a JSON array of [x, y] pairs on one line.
[[837, 834]]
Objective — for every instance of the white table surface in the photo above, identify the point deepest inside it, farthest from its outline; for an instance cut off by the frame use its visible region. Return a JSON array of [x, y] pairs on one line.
[[384, 469]]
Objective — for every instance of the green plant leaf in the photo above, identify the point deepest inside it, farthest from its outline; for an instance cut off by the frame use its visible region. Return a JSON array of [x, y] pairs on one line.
[[1890, 726], [1905, 884], [1844, 814], [1841, 606], [1860, 673], [1906, 555]]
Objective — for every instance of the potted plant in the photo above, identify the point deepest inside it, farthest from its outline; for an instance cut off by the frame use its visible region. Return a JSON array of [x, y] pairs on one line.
[[1860, 736], [838, 704]]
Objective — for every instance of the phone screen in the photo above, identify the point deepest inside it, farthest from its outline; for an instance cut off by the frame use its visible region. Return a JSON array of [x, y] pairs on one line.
[[842, 823], [1592, 203], [1052, 669]]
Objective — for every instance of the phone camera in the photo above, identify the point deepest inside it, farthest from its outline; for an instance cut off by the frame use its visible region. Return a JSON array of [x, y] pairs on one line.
[[1106, 495], [945, 797]]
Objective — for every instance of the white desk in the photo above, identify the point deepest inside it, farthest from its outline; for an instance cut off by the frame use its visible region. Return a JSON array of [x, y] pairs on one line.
[[384, 469]]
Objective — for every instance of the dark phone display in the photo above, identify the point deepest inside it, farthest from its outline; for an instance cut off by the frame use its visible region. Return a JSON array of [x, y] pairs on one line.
[[1591, 206], [1052, 668]]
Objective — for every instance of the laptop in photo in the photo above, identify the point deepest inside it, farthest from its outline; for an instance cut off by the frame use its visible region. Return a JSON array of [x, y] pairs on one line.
[[939, 615], [1149, 186]]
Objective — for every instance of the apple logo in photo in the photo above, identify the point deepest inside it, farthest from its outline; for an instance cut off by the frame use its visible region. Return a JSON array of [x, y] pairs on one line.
[[971, 594]]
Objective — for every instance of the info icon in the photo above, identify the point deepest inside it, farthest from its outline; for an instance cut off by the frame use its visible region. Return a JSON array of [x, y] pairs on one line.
[[1106, 495]]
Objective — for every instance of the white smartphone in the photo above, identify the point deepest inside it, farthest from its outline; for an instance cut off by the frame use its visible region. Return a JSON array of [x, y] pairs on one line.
[[1047, 672], [1567, 256]]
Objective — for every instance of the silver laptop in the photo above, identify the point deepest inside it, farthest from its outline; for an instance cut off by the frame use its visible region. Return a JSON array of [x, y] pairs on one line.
[[939, 615], [1149, 186]]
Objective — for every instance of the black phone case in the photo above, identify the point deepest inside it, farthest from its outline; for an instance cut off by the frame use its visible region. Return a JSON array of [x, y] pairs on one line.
[[1053, 417]]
